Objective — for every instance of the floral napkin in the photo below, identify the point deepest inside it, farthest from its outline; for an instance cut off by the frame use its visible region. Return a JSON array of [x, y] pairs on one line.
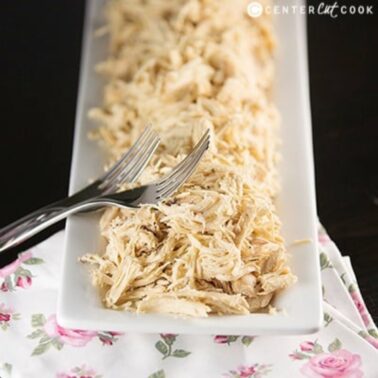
[[32, 344]]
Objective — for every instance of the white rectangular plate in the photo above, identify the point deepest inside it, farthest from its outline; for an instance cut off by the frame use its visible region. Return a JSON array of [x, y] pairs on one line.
[[79, 305]]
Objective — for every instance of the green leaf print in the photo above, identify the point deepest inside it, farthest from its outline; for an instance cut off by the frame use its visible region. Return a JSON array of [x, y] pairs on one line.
[[180, 353], [161, 347], [57, 344], [35, 334], [247, 340], [164, 346], [45, 339], [34, 261], [38, 320], [317, 348], [352, 288], [324, 261], [40, 348], [6, 369], [335, 345], [232, 339], [327, 319], [158, 374]]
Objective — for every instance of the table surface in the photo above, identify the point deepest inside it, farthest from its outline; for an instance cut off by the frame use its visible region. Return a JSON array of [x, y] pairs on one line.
[[39, 67]]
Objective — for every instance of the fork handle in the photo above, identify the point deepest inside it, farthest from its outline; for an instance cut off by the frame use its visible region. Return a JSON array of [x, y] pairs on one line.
[[37, 215], [46, 211], [36, 224]]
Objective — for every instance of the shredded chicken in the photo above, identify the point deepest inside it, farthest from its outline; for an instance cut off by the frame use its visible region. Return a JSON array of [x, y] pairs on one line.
[[214, 247]]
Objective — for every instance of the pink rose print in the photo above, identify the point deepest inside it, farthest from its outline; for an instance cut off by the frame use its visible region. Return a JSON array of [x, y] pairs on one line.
[[7, 315], [220, 339], [24, 282], [168, 335], [337, 364], [248, 371], [312, 347], [4, 317], [51, 334], [15, 275], [108, 338], [107, 341], [72, 337], [307, 346], [223, 339], [11, 268], [323, 238], [295, 356], [357, 299], [79, 372]]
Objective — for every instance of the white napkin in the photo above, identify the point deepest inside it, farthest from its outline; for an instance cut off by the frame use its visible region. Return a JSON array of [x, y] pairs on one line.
[[33, 345]]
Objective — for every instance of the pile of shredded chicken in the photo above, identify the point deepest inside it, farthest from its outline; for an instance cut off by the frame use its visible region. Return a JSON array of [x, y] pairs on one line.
[[215, 246]]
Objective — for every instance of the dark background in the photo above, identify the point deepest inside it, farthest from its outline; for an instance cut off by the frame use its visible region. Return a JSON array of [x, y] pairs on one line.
[[40, 45]]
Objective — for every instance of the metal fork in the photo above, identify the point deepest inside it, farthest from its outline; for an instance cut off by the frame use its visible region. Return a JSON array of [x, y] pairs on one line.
[[127, 169], [151, 193]]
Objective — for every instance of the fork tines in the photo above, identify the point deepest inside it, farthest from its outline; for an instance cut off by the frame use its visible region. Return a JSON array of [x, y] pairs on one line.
[[167, 185], [129, 167]]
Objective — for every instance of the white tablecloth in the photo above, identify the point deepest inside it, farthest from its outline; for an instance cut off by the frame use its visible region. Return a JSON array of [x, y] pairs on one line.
[[33, 345]]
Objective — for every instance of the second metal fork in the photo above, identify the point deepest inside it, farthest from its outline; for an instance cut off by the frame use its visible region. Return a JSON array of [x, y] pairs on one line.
[[127, 169], [151, 193]]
